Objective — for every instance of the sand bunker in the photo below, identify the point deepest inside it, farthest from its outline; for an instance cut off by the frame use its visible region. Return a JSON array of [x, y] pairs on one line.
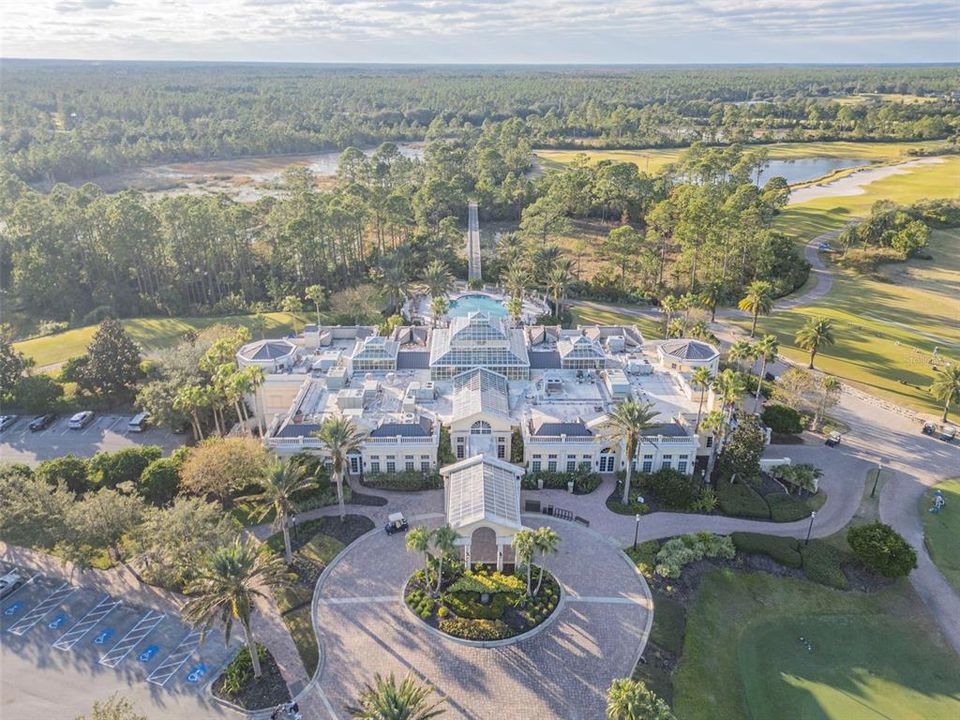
[[854, 183]]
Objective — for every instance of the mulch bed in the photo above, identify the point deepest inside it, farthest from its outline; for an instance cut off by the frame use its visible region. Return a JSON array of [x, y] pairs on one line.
[[266, 692], [785, 439], [357, 498]]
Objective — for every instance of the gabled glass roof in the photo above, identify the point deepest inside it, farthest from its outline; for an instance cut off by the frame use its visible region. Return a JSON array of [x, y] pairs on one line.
[[480, 390], [483, 489]]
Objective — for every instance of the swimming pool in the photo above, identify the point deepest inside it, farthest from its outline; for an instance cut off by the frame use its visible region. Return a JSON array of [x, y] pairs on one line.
[[473, 303]]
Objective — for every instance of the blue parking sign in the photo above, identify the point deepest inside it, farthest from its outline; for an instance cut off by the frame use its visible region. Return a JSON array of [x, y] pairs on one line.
[[148, 653], [104, 635], [12, 608], [196, 672]]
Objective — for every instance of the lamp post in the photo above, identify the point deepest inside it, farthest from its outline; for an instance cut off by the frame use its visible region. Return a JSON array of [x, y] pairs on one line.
[[636, 530], [813, 514], [876, 479]]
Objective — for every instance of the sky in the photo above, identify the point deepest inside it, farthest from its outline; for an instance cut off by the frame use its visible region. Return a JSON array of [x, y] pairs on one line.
[[485, 31]]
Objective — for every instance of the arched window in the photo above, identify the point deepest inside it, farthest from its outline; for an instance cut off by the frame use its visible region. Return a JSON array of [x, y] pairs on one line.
[[480, 428]]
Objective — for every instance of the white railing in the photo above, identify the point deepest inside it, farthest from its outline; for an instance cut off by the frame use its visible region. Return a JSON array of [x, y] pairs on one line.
[[548, 439]]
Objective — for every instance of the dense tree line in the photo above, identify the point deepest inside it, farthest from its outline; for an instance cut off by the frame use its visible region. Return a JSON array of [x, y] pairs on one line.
[[70, 120]]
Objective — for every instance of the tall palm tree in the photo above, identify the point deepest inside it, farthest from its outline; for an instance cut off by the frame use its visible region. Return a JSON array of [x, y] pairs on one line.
[[282, 481], [418, 540], [729, 387], [524, 546], [384, 699], [668, 306], [715, 422], [339, 436], [316, 294], [701, 380], [437, 280], [438, 307], [758, 301], [515, 308], [254, 377], [767, 349], [816, 333], [545, 541], [226, 588], [192, 399], [629, 419], [516, 281], [946, 387], [393, 280], [444, 542], [742, 350], [558, 281]]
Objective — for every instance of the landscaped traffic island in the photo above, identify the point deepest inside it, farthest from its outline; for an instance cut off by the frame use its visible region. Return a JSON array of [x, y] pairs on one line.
[[483, 605]]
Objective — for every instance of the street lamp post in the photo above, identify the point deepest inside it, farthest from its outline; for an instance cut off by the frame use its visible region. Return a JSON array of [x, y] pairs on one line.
[[876, 479], [636, 530], [813, 514]]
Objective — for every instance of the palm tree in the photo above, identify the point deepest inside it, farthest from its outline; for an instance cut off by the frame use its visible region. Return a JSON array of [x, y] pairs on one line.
[[524, 546], [813, 335], [758, 301], [293, 306], [393, 281], [438, 307], [418, 540], [437, 280], [767, 349], [283, 480], [545, 541], [668, 306], [191, 399], [631, 700], [701, 380], [946, 387], [515, 308], [339, 436], [629, 419], [444, 542], [516, 281], [715, 422], [254, 377], [742, 350], [729, 387], [316, 294], [558, 281], [226, 588], [383, 699]]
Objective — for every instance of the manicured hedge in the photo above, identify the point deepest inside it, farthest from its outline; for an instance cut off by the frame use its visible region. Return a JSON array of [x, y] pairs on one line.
[[476, 629], [782, 419], [784, 550], [882, 549], [674, 489], [822, 564], [742, 501], [584, 481], [786, 508], [407, 480]]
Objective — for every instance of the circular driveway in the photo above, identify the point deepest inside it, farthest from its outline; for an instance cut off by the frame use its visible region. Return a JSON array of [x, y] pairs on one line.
[[563, 671]]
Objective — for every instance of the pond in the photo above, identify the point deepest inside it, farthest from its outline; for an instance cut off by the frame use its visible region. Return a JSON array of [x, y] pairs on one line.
[[806, 169], [466, 304]]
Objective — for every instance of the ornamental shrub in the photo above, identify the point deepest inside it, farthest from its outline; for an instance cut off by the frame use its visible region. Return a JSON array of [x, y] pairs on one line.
[[784, 550], [681, 551], [782, 419], [676, 490], [741, 500], [476, 629], [882, 549], [406, 480], [584, 481], [786, 508], [822, 563]]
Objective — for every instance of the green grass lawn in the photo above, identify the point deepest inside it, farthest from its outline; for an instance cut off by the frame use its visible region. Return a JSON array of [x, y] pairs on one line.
[[590, 316], [653, 160], [151, 333], [942, 530], [860, 667], [874, 655]]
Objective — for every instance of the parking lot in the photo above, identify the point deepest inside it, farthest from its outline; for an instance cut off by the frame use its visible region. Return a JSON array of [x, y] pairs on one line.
[[105, 432], [64, 646]]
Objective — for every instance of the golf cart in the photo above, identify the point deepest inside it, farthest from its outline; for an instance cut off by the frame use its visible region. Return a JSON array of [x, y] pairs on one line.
[[948, 433], [396, 522], [929, 428], [833, 439]]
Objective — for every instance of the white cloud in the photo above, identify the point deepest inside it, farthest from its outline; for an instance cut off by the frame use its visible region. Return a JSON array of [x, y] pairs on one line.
[[487, 30]]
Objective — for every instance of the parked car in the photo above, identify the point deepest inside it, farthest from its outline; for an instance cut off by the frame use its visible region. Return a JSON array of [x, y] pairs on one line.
[[948, 433], [42, 422], [396, 522], [7, 421], [825, 247], [929, 428], [9, 583], [80, 420], [833, 439], [138, 423]]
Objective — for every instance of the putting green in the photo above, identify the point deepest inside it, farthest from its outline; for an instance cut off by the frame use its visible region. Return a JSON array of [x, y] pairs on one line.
[[859, 668]]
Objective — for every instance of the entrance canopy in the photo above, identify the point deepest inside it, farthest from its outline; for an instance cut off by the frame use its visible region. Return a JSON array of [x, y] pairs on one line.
[[482, 491]]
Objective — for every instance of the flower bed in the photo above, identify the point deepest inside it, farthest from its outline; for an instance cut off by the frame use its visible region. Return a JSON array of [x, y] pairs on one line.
[[237, 684], [482, 605]]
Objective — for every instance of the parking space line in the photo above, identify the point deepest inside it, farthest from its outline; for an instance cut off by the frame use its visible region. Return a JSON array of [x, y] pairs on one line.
[[45, 606], [181, 653], [115, 655], [85, 624], [28, 582]]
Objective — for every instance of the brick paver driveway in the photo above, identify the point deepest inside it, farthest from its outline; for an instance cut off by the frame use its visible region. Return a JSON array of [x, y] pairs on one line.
[[564, 671]]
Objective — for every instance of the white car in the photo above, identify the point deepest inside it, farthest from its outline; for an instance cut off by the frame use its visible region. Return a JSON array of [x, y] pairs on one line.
[[80, 420], [9, 583]]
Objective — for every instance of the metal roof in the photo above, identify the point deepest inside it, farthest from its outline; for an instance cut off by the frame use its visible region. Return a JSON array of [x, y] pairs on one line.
[[413, 360], [667, 430], [267, 350], [292, 430], [395, 429], [482, 488], [545, 360], [553, 429], [688, 349]]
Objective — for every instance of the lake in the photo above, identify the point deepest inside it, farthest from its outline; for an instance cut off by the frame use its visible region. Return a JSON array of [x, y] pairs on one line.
[[806, 169]]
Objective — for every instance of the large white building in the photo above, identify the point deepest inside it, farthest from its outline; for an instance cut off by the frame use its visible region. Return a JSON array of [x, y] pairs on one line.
[[490, 385]]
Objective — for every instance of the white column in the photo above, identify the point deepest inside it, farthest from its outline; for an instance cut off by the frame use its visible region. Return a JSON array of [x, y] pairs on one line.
[[466, 556], [499, 556]]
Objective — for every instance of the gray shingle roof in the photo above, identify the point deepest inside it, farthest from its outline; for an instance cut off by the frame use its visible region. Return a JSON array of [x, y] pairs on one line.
[[292, 430], [573, 429], [667, 430], [400, 430], [689, 349]]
